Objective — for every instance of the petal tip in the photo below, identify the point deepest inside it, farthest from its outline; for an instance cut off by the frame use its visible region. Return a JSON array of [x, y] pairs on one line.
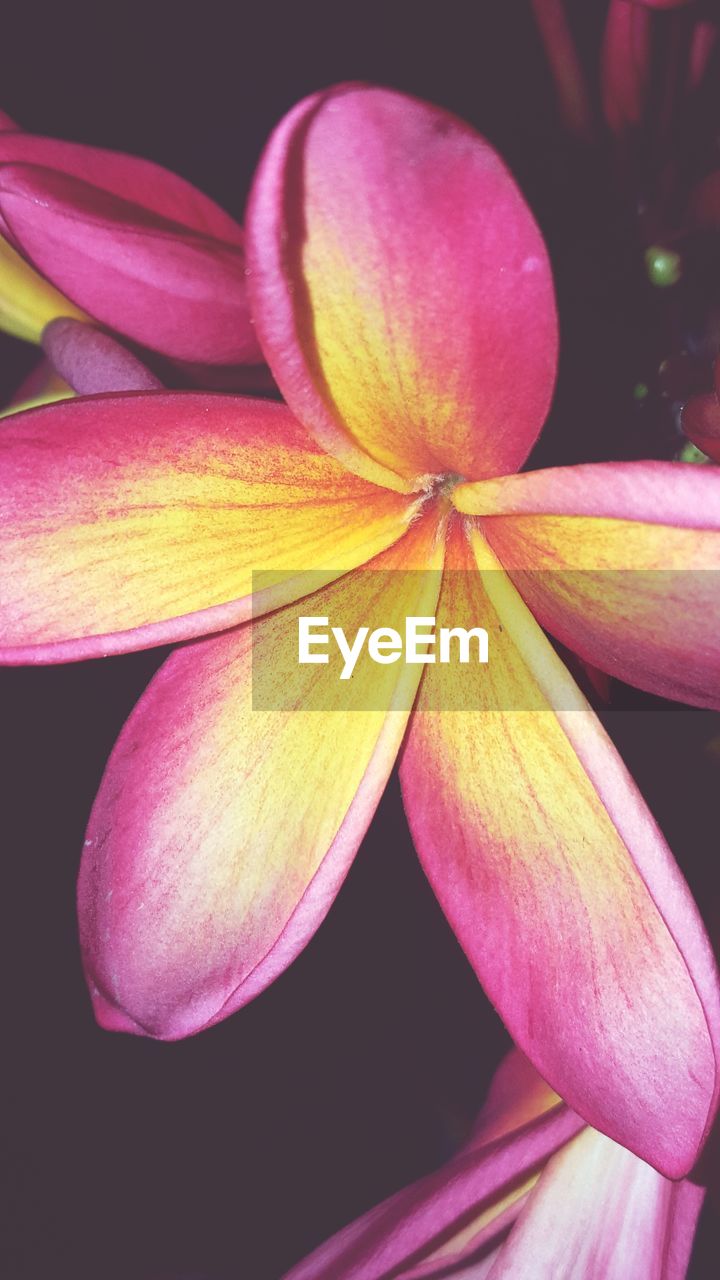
[[109, 1016]]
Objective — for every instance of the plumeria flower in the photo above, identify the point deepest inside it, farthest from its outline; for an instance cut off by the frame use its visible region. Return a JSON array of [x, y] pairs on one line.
[[534, 1193], [91, 233], [404, 301]]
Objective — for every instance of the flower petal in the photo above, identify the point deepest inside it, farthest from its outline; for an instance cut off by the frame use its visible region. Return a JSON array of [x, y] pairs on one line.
[[625, 64], [27, 302], [596, 1212], [140, 181], [42, 386], [687, 1202], [619, 561], [170, 289], [703, 41], [6, 124], [129, 521], [223, 830], [92, 362], [430, 1227], [517, 1095], [40, 379], [401, 288], [571, 86], [51, 396], [557, 881]]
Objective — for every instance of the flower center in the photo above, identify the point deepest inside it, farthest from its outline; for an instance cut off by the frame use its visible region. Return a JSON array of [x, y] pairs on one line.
[[441, 486]]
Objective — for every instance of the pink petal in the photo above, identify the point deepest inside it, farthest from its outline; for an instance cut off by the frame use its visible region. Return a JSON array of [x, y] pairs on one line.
[[139, 181], [28, 302], [129, 521], [167, 287], [619, 561], [92, 362], [557, 881], [40, 381], [702, 47], [410, 1233], [686, 1204], [517, 1095], [597, 1212], [593, 1210], [625, 71], [562, 55], [394, 266], [6, 124], [222, 831]]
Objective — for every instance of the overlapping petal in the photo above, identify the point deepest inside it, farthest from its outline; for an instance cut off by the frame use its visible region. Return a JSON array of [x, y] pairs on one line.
[[139, 181], [92, 362], [431, 1226], [27, 302], [538, 1200], [557, 881], [222, 829], [397, 278], [42, 386], [620, 561], [167, 286], [600, 1213], [127, 521]]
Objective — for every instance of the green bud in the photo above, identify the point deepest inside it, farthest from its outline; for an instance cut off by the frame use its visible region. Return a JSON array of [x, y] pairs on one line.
[[663, 266], [691, 453]]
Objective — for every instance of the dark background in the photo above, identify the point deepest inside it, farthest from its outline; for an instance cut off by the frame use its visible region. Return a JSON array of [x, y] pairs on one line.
[[232, 1154]]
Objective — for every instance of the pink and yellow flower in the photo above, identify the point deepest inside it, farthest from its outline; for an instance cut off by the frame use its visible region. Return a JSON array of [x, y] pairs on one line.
[[91, 233], [404, 302], [534, 1193]]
